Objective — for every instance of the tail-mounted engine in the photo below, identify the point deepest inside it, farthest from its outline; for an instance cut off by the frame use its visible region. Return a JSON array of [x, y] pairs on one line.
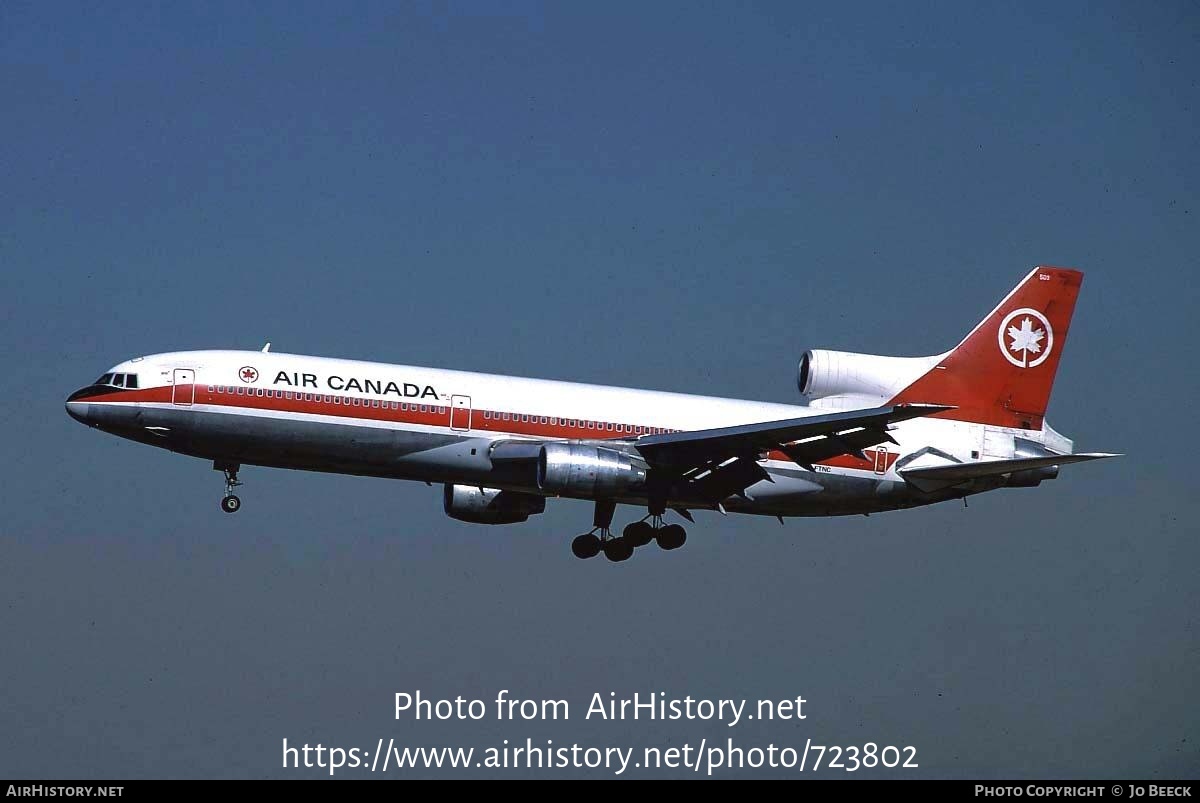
[[858, 379]]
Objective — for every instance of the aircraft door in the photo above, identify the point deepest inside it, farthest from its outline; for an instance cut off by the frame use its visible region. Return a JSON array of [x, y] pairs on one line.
[[183, 387], [460, 413]]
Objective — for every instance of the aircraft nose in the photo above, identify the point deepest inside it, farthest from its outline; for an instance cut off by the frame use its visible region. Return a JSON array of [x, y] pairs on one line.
[[78, 410]]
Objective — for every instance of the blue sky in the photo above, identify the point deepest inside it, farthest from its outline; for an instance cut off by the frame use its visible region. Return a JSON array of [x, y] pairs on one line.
[[675, 196]]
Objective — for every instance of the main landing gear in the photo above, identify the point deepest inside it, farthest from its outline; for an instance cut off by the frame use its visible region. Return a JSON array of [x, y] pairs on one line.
[[620, 547], [229, 502]]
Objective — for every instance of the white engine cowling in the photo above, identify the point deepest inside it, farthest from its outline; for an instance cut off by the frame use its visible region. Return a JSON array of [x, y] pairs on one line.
[[855, 380], [490, 505]]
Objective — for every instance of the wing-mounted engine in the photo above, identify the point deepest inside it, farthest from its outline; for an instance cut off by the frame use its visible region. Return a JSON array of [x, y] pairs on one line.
[[575, 469], [490, 505], [844, 379]]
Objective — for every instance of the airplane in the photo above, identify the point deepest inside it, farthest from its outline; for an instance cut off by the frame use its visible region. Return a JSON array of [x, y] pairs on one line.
[[874, 433]]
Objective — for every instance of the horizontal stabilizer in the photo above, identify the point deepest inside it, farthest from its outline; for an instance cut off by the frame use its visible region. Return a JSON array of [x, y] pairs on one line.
[[943, 476]]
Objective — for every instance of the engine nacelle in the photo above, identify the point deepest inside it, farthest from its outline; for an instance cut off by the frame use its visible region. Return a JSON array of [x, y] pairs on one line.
[[825, 374], [573, 469], [490, 505]]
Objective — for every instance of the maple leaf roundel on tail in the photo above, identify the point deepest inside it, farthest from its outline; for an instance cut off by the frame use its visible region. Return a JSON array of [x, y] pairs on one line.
[[1026, 338]]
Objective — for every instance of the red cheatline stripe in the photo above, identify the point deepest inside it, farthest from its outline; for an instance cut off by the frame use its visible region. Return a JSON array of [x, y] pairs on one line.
[[433, 415], [406, 412]]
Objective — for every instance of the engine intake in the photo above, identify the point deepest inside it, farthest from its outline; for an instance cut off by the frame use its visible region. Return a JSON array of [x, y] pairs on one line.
[[572, 469], [826, 374], [490, 505]]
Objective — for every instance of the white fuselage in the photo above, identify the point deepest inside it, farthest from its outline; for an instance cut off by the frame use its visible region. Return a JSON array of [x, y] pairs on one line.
[[439, 425]]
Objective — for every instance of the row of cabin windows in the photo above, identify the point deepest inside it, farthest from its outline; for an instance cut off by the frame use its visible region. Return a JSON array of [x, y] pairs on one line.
[[348, 401], [127, 381], [575, 423], [351, 401]]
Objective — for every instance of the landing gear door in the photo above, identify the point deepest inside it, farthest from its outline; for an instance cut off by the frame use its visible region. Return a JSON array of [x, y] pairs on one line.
[[183, 387], [460, 413]]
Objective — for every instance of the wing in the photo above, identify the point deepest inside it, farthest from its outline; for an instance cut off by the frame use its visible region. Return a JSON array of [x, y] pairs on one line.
[[805, 440], [716, 463]]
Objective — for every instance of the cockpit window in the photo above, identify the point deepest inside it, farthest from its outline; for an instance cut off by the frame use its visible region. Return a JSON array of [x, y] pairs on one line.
[[126, 381]]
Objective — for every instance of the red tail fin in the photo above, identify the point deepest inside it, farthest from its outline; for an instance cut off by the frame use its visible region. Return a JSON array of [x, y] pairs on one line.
[[1002, 372]]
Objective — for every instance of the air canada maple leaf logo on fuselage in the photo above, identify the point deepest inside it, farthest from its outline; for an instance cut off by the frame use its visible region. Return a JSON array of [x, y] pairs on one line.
[[1026, 338]]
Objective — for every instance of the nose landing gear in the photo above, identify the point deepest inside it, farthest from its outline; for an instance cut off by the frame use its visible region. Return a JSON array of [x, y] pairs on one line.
[[230, 503]]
